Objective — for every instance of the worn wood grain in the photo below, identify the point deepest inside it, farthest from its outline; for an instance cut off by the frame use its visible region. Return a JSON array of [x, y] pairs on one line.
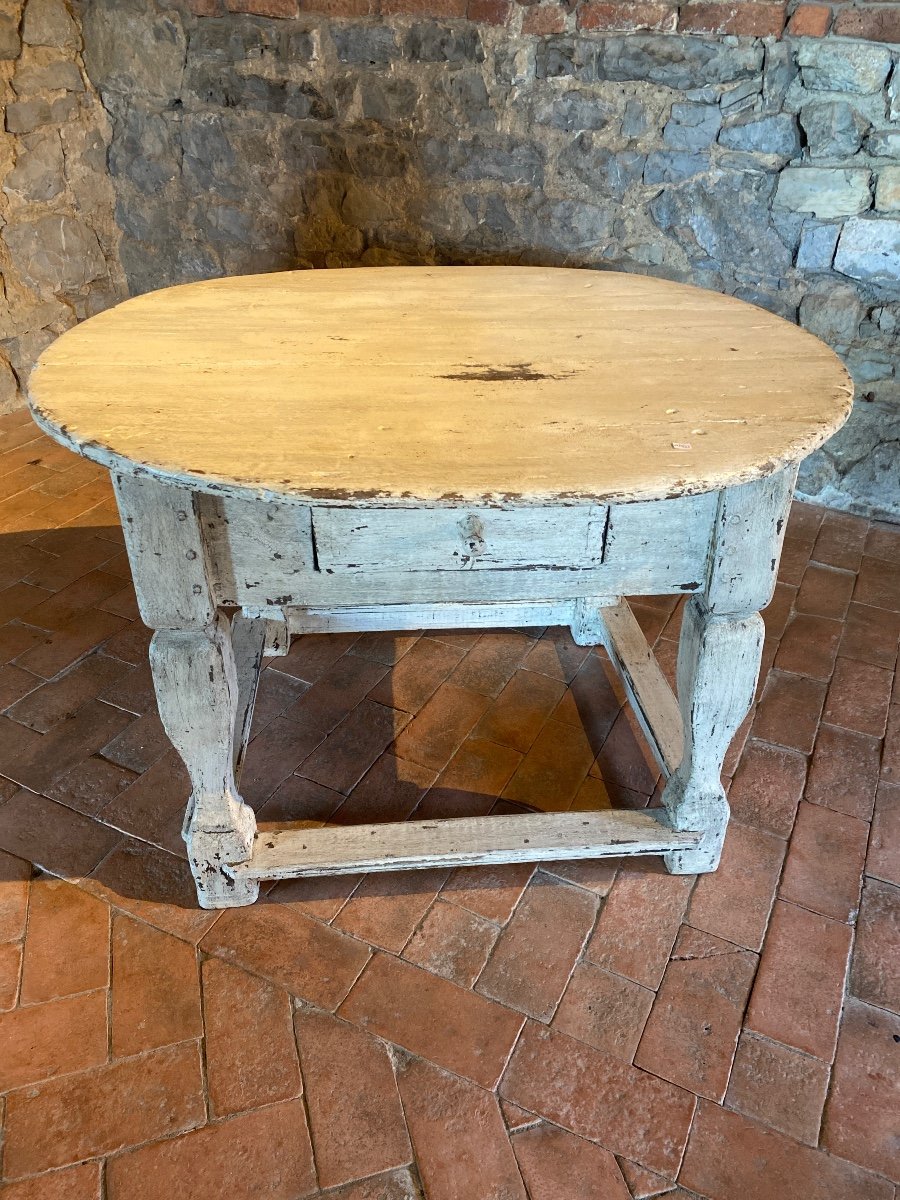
[[460, 841], [442, 386]]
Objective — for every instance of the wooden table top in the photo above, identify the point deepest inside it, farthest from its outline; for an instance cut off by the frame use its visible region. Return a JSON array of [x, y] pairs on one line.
[[443, 386]]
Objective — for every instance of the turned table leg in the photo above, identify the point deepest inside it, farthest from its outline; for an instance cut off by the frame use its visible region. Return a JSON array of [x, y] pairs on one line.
[[205, 710], [719, 656]]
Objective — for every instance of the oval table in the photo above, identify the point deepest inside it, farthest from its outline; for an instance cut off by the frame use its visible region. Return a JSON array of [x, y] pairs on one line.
[[404, 448]]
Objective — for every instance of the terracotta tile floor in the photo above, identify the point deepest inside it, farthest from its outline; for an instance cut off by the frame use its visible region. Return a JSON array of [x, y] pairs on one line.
[[573, 1032]]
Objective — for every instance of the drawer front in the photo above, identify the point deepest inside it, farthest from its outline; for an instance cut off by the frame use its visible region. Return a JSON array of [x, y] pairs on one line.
[[457, 539]]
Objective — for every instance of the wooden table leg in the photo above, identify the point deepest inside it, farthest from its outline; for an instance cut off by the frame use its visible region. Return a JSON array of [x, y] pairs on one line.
[[719, 656], [196, 679]]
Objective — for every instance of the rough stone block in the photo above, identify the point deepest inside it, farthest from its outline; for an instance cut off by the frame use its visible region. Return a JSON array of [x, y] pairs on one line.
[[817, 246], [843, 66], [834, 129], [869, 249], [824, 191], [365, 46], [39, 173], [775, 134], [884, 143], [558, 57], [55, 253], [23, 116], [575, 110], [676, 62], [132, 50], [59, 75], [673, 166], [692, 126], [834, 315], [887, 190], [10, 42], [47, 23]]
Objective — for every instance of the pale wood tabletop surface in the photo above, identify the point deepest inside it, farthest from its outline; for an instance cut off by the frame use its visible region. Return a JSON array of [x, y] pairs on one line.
[[442, 386]]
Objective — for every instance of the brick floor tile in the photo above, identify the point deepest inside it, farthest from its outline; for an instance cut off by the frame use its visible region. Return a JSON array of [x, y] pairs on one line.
[[298, 799], [389, 791], [452, 942], [778, 1086], [789, 711], [81, 1182], [550, 774], [793, 562], [797, 995], [592, 701], [883, 859], [152, 807], [131, 644], [67, 644], [777, 612], [472, 780], [387, 906], [597, 874], [57, 1038], [78, 597], [861, 1115], [624, 760], [638, 924], [10, 971], [61, 841], [878, 584], [140, 745], [353, 746], [692, 1032], [16, 638], [492, 892], [458, 1135], [605, 1010], [20, 598], [515, 1117], [870, 635], [417, 676], [492, 661], [15, 684], [434, 735], [251, 1057], [274, 754], [74, 554], [90, 786], [281, 943], [268, 1148], [556, 655], [321, 896], [651, 617], [61, 699], [104, 1110], [536, 952], [841, 539], [67, 743], [351, 1095], [336, 693], [154, 886], [825, 862], [767, 787], [882, 542], [809, 646], [394, 1185], [559, 1166], [890, 762], [519, 713], [731, 1158], [275, 694], [311, 655], [14, 876], [875, 974], [427, 1015], [843, 773], [67, 950], [385, 646], [644, 1184], [155, 988], [825, 591], [858, 697], [625, 1110], [734, 901]]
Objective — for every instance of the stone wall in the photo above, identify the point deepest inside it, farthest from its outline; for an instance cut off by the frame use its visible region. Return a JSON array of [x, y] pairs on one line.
[[763, 167], [58, 239]]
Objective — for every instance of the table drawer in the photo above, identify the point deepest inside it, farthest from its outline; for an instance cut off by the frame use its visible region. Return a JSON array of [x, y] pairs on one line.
[[458, 539]]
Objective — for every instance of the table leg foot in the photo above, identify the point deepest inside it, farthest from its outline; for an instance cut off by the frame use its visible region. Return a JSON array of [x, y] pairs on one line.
[[718, 663]]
